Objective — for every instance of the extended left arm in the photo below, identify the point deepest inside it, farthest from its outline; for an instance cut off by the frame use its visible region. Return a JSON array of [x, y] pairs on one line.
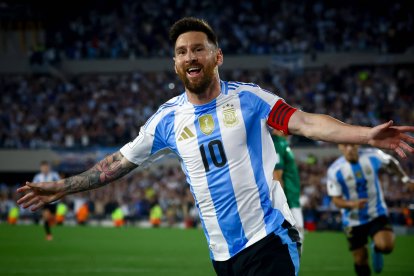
[[395, 167], [326, 128]]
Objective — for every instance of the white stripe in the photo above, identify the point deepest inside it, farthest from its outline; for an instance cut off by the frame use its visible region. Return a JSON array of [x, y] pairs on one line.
[[192, 159], [268, 153], [139, 150], [241, 172]]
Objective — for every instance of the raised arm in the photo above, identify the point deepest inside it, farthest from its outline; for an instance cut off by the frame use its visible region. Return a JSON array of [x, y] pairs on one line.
[[395, 167], [325, 128], [105, 171]]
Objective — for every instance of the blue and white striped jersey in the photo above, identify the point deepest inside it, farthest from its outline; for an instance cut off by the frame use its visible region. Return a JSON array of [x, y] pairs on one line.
[[41, 177], [228, 156], [359, 180]]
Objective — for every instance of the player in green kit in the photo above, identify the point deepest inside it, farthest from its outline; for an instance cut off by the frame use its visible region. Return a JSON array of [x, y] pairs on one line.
[[286, 172]]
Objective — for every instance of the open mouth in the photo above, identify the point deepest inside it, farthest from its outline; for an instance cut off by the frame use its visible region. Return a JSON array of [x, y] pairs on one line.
[[193, 71]]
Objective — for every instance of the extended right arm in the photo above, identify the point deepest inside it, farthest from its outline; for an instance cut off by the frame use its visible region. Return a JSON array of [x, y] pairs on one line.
[[107, 170]]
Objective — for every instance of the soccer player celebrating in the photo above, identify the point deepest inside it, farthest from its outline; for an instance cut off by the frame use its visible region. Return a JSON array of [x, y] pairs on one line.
[[353, 184], [49, 210], [220, 131]]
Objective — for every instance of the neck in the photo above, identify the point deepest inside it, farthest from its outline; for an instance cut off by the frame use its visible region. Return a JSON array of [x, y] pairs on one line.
[[212, 92]]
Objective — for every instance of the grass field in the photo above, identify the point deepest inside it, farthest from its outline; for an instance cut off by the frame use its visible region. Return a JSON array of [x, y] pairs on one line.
[[133, 251]]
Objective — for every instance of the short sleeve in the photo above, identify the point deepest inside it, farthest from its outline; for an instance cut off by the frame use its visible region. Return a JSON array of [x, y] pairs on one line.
[[139, 150], [333, 186]]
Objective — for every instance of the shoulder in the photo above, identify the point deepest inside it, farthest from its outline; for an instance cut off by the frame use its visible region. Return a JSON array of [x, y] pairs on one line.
[[336, 166], [237, 87], [375, 153], [250, 92], [163, 111]]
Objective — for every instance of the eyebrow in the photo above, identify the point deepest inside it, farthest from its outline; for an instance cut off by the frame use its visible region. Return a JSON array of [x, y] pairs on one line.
[[192, 45]]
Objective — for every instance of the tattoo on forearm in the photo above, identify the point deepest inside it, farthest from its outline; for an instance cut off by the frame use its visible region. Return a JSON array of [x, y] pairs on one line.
[[107, 170]]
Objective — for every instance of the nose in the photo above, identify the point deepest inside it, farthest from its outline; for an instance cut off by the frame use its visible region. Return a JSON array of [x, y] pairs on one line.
[[191, 56]]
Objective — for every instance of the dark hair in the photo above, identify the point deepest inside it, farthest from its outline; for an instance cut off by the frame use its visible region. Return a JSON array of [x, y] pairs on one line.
[[188, 24], [44, 162]]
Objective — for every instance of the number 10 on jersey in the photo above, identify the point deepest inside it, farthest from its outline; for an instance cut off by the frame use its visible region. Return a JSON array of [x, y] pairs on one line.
[[215, 150]]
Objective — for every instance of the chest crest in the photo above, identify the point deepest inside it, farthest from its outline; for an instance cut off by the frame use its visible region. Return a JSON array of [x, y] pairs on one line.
[[229, 115]]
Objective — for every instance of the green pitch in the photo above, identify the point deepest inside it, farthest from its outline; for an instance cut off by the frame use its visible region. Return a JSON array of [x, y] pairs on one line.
[[132, 251]]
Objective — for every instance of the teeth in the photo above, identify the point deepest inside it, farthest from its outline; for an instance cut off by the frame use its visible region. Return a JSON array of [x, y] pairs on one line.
[[192, 69]]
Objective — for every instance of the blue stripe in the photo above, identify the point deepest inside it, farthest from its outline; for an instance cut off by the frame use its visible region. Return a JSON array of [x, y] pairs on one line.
[[362, 191], [345, 191], [376, 164], [164, 136], [220, 185], [162, 107], [293, 248], [224, 87], [182, 99], [245, 83], [252, 122]]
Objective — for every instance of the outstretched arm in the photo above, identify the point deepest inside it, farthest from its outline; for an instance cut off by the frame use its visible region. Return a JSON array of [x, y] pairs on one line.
[[107, 170], [395, 167], [325, 128]]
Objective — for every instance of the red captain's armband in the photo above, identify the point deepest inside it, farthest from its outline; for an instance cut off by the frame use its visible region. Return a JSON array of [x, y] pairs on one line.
[[279, 116]]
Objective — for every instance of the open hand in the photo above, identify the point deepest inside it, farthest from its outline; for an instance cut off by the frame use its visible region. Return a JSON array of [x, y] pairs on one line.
[[387, 136], [36, 195]]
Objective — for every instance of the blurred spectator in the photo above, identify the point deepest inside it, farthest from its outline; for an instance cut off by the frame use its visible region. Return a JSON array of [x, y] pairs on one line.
[[126, 29], [44, 112]]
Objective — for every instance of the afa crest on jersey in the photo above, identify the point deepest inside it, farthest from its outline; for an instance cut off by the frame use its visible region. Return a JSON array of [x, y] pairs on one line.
[[206, 123], [229, 116], [368, 170]]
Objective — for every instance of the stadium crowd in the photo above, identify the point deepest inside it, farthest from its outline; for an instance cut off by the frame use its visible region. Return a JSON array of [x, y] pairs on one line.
[[127, 30], [45, 112]]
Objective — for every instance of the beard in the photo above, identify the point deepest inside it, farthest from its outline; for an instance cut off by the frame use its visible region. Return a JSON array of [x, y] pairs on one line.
[[200, 85]]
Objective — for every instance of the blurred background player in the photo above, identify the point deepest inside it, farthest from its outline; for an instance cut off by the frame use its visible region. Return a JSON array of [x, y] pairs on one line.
[[286, 172], [49, 210], [353, 183]]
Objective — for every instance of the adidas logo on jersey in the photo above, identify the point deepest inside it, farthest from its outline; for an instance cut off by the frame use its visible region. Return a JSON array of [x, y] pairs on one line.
[[185, 134]]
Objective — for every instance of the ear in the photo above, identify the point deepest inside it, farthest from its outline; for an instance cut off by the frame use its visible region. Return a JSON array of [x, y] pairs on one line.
[[219, 57]]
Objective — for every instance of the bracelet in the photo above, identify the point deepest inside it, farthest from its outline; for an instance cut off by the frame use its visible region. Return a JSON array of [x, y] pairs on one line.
[[405, 179]]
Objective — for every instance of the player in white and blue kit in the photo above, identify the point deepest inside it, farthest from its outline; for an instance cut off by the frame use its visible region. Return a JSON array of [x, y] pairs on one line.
[[353, 183], [221, 132], [49, 210]]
